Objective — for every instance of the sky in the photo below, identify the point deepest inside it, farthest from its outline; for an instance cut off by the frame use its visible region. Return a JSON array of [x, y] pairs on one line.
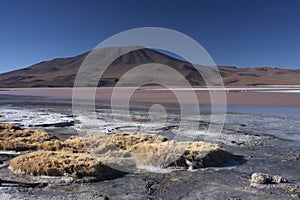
[[242, 33]]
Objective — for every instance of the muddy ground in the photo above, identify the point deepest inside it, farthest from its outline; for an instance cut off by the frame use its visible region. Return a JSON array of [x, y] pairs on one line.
[[265, 154]]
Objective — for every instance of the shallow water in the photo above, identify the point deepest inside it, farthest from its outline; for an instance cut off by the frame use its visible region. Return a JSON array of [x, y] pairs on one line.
[[280, 121]]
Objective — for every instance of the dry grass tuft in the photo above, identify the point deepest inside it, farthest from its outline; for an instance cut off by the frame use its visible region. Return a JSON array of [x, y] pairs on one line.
[[73, 144], [120, 149], [180, 154], [154, 150], [122, 140], [21, 140], [14, 138], [8, 126], [58, 163]]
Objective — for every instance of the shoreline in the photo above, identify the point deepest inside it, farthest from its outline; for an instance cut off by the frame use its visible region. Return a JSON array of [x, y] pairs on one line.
[[235, 96]]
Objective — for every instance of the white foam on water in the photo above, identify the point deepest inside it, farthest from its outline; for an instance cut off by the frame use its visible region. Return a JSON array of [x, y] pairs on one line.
[[215, 168], [283, 91], [150, 168], [159, 170], [213, 89], [9, 152]]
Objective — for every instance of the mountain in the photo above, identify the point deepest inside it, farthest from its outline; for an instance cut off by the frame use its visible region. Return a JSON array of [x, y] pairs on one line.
[[61, 72]]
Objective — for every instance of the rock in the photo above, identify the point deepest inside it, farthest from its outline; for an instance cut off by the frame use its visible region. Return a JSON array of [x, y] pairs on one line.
[[294, 188], [279, 179], [260, 178], [58, 163]]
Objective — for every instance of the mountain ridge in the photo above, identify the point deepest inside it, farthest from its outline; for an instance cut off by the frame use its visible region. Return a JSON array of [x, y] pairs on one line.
[[61, 72]]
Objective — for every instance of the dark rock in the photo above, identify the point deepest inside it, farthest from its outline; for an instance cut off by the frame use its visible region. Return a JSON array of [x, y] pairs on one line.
[[260, 178]]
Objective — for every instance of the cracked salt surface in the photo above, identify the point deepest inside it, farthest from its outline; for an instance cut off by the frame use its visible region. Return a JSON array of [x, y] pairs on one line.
[[103, 123], [34, 118], [106, 122], [278, 121]]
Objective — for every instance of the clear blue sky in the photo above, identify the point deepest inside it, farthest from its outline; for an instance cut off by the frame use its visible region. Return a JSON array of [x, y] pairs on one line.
[[244, 33]]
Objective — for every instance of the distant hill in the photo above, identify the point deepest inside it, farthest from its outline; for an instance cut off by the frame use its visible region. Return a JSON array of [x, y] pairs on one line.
[[61, 72]]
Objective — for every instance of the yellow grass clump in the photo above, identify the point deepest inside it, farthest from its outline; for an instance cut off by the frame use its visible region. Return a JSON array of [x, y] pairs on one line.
[[120, 149], [122, 140], [21, 140], [14, 138], [180, 154], [154, 150], [59, 163], [73, 144], [8, 126]]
